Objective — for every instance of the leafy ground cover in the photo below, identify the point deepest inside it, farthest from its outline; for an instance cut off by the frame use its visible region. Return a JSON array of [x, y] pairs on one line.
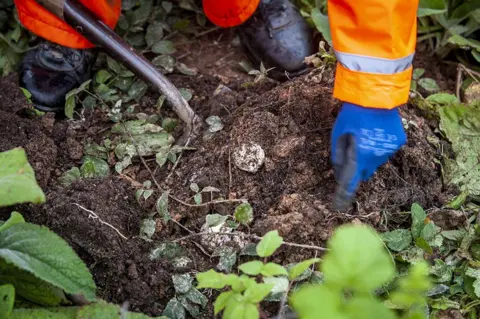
[[148, 226]]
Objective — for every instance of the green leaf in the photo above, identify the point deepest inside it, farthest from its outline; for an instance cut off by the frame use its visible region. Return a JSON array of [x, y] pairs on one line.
[[114, 65], [154, 33], [148, 227], [165, 62], [311, 300], [94, 167], [272, 269], [162, 207], [360, 246], [322, 24], [184, 69], [280, 284], [418, 218], [215, 124], [455, 235], [431, 7], [197, 198], [300, 268], [269, 244], [257, 293], [214, 220], [15, 218], [443, 303], [398, 239], [194, 187], [211, 279], [174, 310], [30, 287], [70, 176], [17, 180], [182, 283], [251, 311], [30, 247], [429, 231], [70, 103], [7, 300], [102, 76], [169, 124], [168, 251], [428, 84], [423, 244], [464, 42], [192, 308], [197, 297], [244, 214], [443, 99], [475, 273], [417, 73], [368, 307], [186, 93], [412, 288], [228, 258], [222, 301], [137, 90], [164, 47], [251, 268]]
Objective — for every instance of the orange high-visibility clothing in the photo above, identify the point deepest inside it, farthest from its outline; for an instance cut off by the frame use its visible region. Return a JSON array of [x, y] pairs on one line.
[[374, 40]]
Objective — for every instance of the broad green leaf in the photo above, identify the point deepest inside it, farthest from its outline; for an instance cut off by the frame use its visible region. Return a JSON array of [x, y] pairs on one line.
[[214, 220], [322, 24], [101, 309], [464, 42], [48, 313], [194, 188], [418, 218], [15, 218], [165, 63], [162, 207], [228, 258], [154, 33], [360, 246], [455, 235], [251, 311], [211, 279], [94, 167], [186, 93], [423, 244], [431, 7], [114, 65], [367, 307], [169, 124], [272, 269], [7, 300], [102, 76], [197, 297], [398, 239], [280, 284], [443, 303], [417, 73], [429, 231], [413, 287], [17, 180], [148, 227], [221, 301], [216, 125], [164, 47], [244, 214], [270, 242], [251, 268], [311, 300], [428, 84], [44, 254], [137, 90], [300, 268], [30, 287], [475, 274], [184, 69], [192, 308], [442, 271], [257, 293], [70, 102], [443, 99], [174, 310], [182, 283]]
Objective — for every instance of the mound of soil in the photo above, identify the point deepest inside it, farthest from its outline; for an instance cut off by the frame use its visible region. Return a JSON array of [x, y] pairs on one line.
[[291, 192]]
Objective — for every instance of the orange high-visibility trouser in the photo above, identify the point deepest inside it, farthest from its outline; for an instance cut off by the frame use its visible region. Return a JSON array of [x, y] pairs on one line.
[[374, 40]]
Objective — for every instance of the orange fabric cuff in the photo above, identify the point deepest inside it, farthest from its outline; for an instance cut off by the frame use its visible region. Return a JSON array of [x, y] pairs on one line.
[[385, 91], [229, 13]]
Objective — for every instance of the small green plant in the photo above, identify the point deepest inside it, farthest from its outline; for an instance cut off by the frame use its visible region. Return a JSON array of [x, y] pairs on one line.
[[428, 84]]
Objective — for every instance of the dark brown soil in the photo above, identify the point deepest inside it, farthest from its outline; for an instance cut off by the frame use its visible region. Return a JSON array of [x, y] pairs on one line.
[[291, 192]]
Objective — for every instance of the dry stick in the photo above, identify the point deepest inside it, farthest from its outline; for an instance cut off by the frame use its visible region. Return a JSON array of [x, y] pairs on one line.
[[101, 221], [251, 236]]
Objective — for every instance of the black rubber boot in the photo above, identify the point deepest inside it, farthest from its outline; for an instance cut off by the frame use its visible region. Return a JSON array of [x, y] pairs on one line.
[[278, 36], [50, 71]]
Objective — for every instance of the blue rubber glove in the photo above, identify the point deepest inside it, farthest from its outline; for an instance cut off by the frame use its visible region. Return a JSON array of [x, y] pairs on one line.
[[362, 140]]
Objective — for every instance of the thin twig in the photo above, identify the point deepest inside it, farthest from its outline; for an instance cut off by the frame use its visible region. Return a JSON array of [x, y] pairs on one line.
[[213, 202], [459, 81], [251, 236], [101, 221], [471, 72]]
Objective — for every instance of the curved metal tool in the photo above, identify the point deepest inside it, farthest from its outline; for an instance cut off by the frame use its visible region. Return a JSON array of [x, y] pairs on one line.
[[85, 22]]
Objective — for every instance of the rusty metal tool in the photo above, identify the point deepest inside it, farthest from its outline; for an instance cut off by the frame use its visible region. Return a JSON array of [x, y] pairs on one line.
[[93, 29]]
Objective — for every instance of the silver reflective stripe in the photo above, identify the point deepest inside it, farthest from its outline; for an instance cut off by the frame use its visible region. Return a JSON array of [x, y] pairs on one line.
[[368, 64]]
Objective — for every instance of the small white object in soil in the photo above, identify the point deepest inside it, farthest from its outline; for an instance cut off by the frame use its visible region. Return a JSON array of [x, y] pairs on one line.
[[249, 157]]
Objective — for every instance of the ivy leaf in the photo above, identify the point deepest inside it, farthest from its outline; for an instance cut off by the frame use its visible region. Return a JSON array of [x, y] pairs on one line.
[[257, 293], [29, 247], [148, 227], [114, 65], [300, 268], [417, 73], [186, 93], [222, 301], [154, 33], [174, 310], [429, 84], [244, 214], [70, 176], [251, 268], [94, 167], [182, 283], [211, 279], [17, 180], [164, 47], [272, 269], [7, 300], [398, 239], [360, 246], [197, 297], [228, 258], [15, 218], [215, 124], [214, 220], [162, 207], [269, 244]]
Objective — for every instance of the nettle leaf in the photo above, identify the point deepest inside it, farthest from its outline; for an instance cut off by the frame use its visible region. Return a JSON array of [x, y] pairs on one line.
[[257, 293], [429, 84], [418, 218], [17, 180], [214, 220], [7, 300], [30, 247], [222, 301], [443, 99], [174, 310], [211, 279], [15, 218], [182, 283], [269, 244], [251, 268], [398, 239], [301, 267], [244, 214], [272, 269], [360, 246]]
